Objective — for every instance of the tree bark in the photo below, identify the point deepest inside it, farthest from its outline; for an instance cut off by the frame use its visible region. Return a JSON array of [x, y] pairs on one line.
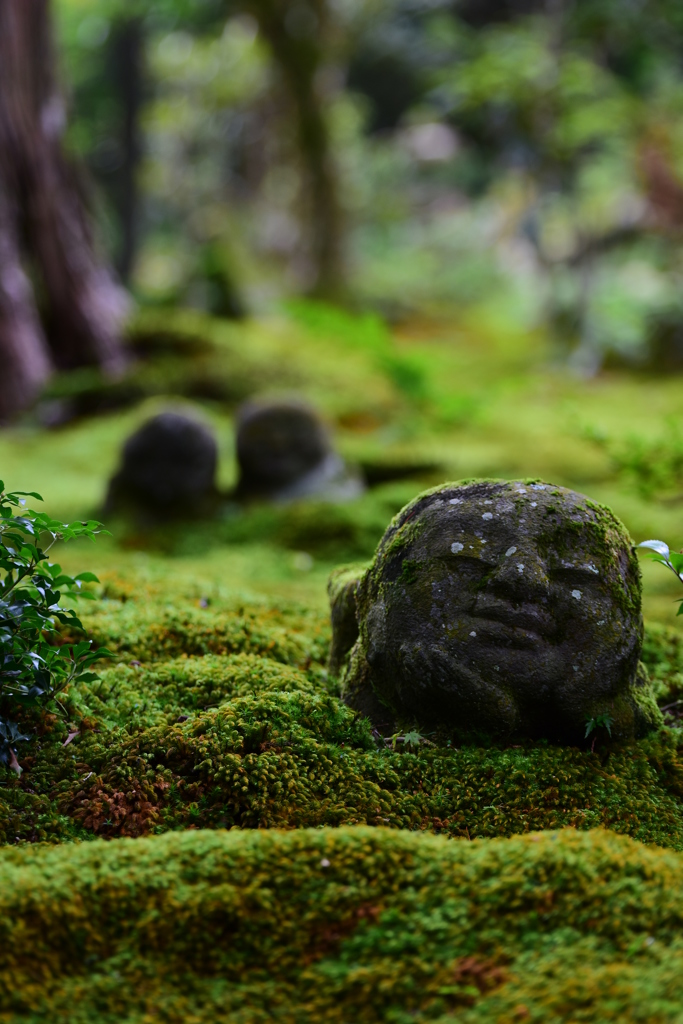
[[25, 363], [127, 58], [42, 210], [295, 37]]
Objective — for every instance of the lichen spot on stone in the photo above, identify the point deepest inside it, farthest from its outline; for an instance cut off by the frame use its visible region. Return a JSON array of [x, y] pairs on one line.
[[456, 546], [576, 594], [534, 504], [487, 515], [455, 501], [520, 567], [473, 633], [510, 551]]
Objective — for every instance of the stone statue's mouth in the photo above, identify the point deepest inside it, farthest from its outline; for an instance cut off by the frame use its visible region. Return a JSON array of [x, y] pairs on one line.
[[515, 623], [498, 634]]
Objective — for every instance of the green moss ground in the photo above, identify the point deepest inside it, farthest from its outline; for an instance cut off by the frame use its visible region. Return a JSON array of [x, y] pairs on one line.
[[348, 925], [217, 713]]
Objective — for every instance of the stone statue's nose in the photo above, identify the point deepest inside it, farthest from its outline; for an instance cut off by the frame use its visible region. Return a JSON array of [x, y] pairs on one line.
[[522, 574]]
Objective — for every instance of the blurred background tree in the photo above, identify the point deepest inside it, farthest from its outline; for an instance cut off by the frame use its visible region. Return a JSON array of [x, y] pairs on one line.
[[403, 155], [49, 268], [297, 35]]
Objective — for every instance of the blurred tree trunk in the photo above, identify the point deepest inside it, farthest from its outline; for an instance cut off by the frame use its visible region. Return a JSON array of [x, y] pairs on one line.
[[295, 34], [127, 58], [43, 224], [24, 360]]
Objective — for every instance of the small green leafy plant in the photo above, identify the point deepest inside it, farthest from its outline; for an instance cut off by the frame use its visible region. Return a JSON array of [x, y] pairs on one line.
[[673, 560], [599, 722], [411, 740], [36, 666], [603, 721]]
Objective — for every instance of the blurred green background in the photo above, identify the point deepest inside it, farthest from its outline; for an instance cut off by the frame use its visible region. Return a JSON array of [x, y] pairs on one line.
[[455, 227]]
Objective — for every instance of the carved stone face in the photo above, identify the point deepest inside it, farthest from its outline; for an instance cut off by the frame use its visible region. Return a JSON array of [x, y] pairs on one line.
[[503, 607]]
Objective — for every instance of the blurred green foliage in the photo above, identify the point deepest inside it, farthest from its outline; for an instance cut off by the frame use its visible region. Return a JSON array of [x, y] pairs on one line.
[[653, 465], [511, 154]]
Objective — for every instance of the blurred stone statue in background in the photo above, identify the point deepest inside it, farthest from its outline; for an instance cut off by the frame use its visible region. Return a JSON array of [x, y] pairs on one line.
[[168, 469], [284, 452]]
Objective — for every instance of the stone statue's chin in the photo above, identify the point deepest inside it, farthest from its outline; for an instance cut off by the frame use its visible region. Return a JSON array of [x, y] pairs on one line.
[[449, 689]]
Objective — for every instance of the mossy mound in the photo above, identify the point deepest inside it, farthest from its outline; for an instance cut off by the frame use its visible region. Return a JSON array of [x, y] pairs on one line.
[[297, 761], [342, 925], [150, 624], [219, 712]]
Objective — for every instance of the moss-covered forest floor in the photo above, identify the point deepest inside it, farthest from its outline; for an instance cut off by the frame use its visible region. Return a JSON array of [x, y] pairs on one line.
[[217, 714], [470, 398]]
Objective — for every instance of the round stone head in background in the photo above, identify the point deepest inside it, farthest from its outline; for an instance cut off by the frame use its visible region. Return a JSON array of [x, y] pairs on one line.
[[284, 452], [168, 467], [504, 609]]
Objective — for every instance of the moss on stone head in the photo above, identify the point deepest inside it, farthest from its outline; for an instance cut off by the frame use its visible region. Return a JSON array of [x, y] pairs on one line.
[[564, 533], [342, 589]]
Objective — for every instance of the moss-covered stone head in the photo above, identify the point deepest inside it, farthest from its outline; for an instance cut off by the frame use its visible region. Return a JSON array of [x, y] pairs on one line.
[[509, 608]]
